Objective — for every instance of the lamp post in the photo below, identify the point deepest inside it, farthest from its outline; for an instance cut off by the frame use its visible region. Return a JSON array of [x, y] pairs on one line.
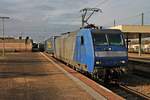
[[3, 19]]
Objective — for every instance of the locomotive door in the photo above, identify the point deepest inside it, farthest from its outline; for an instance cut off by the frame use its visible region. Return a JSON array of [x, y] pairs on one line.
[[80, 51]]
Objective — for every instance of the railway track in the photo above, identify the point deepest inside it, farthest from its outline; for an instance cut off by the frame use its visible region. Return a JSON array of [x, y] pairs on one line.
[[139, 66], [138, 95], [129, 87], [124, 91]]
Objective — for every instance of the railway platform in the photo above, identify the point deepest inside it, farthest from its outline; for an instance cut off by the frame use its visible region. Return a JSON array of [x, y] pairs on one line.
[[36, 76], [139, 64], [142, 58]]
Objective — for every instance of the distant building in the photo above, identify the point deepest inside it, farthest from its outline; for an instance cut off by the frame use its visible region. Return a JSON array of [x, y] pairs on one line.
[[134, 46], [15, 45], [139, 32]]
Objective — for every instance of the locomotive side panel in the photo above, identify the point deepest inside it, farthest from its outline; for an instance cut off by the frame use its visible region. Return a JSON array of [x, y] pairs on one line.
[[69, 47], [64, 47], [57, 47], [84, 52]]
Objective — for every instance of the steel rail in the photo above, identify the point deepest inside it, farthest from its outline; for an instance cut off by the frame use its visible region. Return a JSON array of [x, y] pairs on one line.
[[134, 92]]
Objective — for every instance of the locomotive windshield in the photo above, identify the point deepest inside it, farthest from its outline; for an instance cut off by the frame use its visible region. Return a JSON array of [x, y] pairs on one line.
[[108, 39], [115, 39], [100, 39]]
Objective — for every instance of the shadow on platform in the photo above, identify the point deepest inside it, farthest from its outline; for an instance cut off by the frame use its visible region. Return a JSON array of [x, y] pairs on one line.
[[26, 74]]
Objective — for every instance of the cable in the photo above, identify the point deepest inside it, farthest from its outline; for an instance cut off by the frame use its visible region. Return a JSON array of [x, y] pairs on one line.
[[124, 19], [130, 17], [101, 3], [146, 12]]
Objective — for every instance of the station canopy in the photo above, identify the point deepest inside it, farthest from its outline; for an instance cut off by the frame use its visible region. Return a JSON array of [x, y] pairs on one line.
[[133, 30]]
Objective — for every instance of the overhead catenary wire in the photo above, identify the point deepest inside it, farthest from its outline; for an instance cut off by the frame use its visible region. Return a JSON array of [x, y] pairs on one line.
[[101, 3], [119, 20], [98, 4], [130, 17], [93, 7]]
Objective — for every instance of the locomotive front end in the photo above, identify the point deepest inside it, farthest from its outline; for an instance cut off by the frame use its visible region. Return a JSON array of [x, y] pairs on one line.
[[110, 51]]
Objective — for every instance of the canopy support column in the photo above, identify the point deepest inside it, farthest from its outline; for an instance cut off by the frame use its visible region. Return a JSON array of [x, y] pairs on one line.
[[140, 44], [127, 40]]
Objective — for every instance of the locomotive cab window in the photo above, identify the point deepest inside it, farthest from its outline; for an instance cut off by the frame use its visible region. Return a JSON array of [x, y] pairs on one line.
[[115, 39], [100, 39], [82, 40]]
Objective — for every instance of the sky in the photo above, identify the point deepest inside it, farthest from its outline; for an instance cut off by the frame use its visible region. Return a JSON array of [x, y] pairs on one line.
[[40, 19]]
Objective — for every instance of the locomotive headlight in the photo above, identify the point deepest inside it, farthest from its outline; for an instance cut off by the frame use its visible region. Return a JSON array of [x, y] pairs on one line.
[[124, 70], [98, 62], [123, 62]]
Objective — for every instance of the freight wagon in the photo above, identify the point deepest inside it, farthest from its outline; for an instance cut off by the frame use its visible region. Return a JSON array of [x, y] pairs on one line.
[[49, 44], [100, 52]]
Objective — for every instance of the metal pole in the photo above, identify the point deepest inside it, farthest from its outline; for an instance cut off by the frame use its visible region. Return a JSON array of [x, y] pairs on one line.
[[3, 19], [86, 17], [127, 40], [82, 21], [114, 22], [142, 23], [140, 44], [140, 36], [3, 38]]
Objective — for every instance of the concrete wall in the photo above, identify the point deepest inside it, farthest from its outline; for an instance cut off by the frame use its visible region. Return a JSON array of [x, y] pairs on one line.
[[17, 45]]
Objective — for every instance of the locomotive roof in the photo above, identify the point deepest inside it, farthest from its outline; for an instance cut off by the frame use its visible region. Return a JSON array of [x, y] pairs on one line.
[[113, 31]]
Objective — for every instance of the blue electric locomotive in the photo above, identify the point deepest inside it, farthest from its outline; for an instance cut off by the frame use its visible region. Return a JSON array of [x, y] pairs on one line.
[[100, 52]]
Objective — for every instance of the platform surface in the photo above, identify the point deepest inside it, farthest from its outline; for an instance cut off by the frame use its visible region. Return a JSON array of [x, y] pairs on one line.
[[29, 76], [136, 57]]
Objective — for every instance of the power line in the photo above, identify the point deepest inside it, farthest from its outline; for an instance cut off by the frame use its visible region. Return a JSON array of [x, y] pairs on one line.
[[97, 4], [134, 16], [121, 20], [101, 3], [148, 11], [130, 17]]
